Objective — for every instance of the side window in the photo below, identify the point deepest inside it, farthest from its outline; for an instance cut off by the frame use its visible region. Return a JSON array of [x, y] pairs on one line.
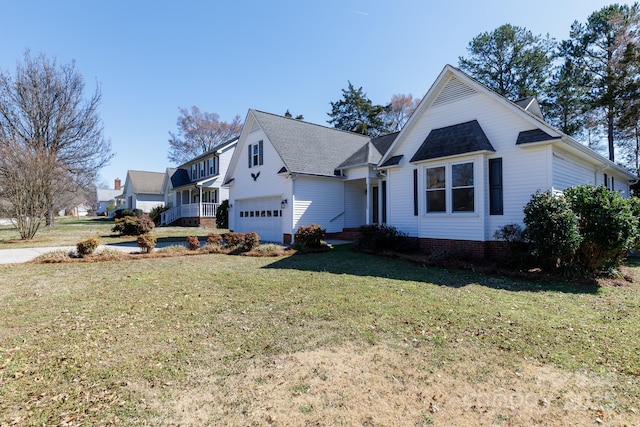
[[462, 189], [436, 190], [255, 154]]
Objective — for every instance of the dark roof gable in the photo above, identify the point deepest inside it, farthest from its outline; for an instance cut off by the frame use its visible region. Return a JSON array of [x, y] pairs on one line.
[[534, 135], [453, 140]]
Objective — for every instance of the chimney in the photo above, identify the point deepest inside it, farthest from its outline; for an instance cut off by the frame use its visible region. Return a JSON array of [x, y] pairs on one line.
[[117, 184]]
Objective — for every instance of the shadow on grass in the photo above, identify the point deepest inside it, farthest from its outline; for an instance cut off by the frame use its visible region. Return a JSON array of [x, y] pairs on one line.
[[341, 260], [161, 242]]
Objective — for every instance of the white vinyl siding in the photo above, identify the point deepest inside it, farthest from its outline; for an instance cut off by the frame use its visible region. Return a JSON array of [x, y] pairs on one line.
[[568, 172], [355, 204], [524, 170], [268, 184], [319, 201]]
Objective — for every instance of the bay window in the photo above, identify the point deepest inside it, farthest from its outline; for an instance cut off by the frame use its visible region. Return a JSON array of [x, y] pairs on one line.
[[450, 188]]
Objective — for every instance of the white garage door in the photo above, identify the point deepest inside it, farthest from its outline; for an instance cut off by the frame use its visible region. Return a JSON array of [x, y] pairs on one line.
[[262, 216]]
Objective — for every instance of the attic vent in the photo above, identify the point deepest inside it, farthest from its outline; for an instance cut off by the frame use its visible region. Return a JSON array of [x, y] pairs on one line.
[[255, 126], [454, 90]]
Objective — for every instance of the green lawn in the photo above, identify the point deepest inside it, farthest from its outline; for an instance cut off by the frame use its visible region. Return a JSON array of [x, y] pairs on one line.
[[68, 231], [319, 339]]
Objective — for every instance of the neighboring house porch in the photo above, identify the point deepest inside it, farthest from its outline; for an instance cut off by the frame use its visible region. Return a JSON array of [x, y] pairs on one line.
[[193, 191]]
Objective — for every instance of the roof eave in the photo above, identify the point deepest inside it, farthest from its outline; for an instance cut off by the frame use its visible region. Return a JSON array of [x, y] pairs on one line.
[[453, 156]]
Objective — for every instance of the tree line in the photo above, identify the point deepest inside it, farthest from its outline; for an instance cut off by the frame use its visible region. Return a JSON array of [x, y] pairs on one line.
[[588, 85]]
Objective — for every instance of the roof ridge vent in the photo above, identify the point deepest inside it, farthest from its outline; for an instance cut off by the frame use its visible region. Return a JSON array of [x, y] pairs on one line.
[[453, 91]]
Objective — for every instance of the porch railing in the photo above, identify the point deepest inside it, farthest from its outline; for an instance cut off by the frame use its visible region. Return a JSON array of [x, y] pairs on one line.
[[192, 210]]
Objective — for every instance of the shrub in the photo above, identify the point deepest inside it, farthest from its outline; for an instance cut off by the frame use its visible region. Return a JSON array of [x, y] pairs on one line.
[[86, 247], [311, 236], [173, 249], [270, 247], [58, 255], [214, 239], [607, 225], [222, 215], [513, 236], [251, 240], [121, 213], [193, 243], [233, 239], [381, 237], [146, 242], [156, 214], [551, 229], [133, 226]]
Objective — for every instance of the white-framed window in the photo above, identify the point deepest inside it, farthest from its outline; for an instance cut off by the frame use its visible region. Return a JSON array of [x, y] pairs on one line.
[[255, 154], [436, 189], [202, 169], [213, 163], [450, 188], [194, 172]]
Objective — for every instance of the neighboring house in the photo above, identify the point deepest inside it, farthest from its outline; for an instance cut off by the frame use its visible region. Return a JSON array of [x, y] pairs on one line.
[[194, 190], [286, 173], [468, 160], [142, 190], [106, 197]]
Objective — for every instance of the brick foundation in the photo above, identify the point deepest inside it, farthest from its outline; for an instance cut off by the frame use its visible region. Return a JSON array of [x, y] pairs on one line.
[[287, 238], [465, 249]]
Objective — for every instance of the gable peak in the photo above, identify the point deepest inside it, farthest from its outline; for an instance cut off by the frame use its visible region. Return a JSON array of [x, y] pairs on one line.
[[454, 90]]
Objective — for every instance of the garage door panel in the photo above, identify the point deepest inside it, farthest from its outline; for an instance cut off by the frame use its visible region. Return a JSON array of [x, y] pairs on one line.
[[261, 215]]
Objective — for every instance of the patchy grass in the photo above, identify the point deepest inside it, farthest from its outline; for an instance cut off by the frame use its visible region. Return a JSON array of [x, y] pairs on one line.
[[69, 231], [336, 338]]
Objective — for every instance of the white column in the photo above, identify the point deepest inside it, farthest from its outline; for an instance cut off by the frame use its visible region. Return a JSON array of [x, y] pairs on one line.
[[368, 191]]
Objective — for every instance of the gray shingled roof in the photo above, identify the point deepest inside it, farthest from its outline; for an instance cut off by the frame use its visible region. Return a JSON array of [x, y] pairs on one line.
[[453, 140], [372, 152], [309, 148], [534, 135], [393, 161], [146, 182], [106, 194], [210, 152]]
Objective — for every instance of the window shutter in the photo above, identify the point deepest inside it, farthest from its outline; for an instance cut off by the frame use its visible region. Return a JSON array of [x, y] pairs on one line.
[[415, 192], [249, 151], [260, 152], [384, 202], [495, 187]]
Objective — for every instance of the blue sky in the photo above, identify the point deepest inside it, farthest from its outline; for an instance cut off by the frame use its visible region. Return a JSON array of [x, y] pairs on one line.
[[152, 57]]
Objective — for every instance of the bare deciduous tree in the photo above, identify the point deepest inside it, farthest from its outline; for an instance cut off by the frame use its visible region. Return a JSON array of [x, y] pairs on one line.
[[44, 111], [199, 132], [25, 176], [399, 110]]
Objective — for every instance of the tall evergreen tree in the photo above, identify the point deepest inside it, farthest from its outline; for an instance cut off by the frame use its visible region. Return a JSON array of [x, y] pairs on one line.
[[510, 60], [598, 48], [563, 99], [356, 113], [629, 121]]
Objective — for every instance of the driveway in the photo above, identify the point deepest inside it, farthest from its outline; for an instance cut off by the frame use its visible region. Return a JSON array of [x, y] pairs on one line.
[[11, 256]]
